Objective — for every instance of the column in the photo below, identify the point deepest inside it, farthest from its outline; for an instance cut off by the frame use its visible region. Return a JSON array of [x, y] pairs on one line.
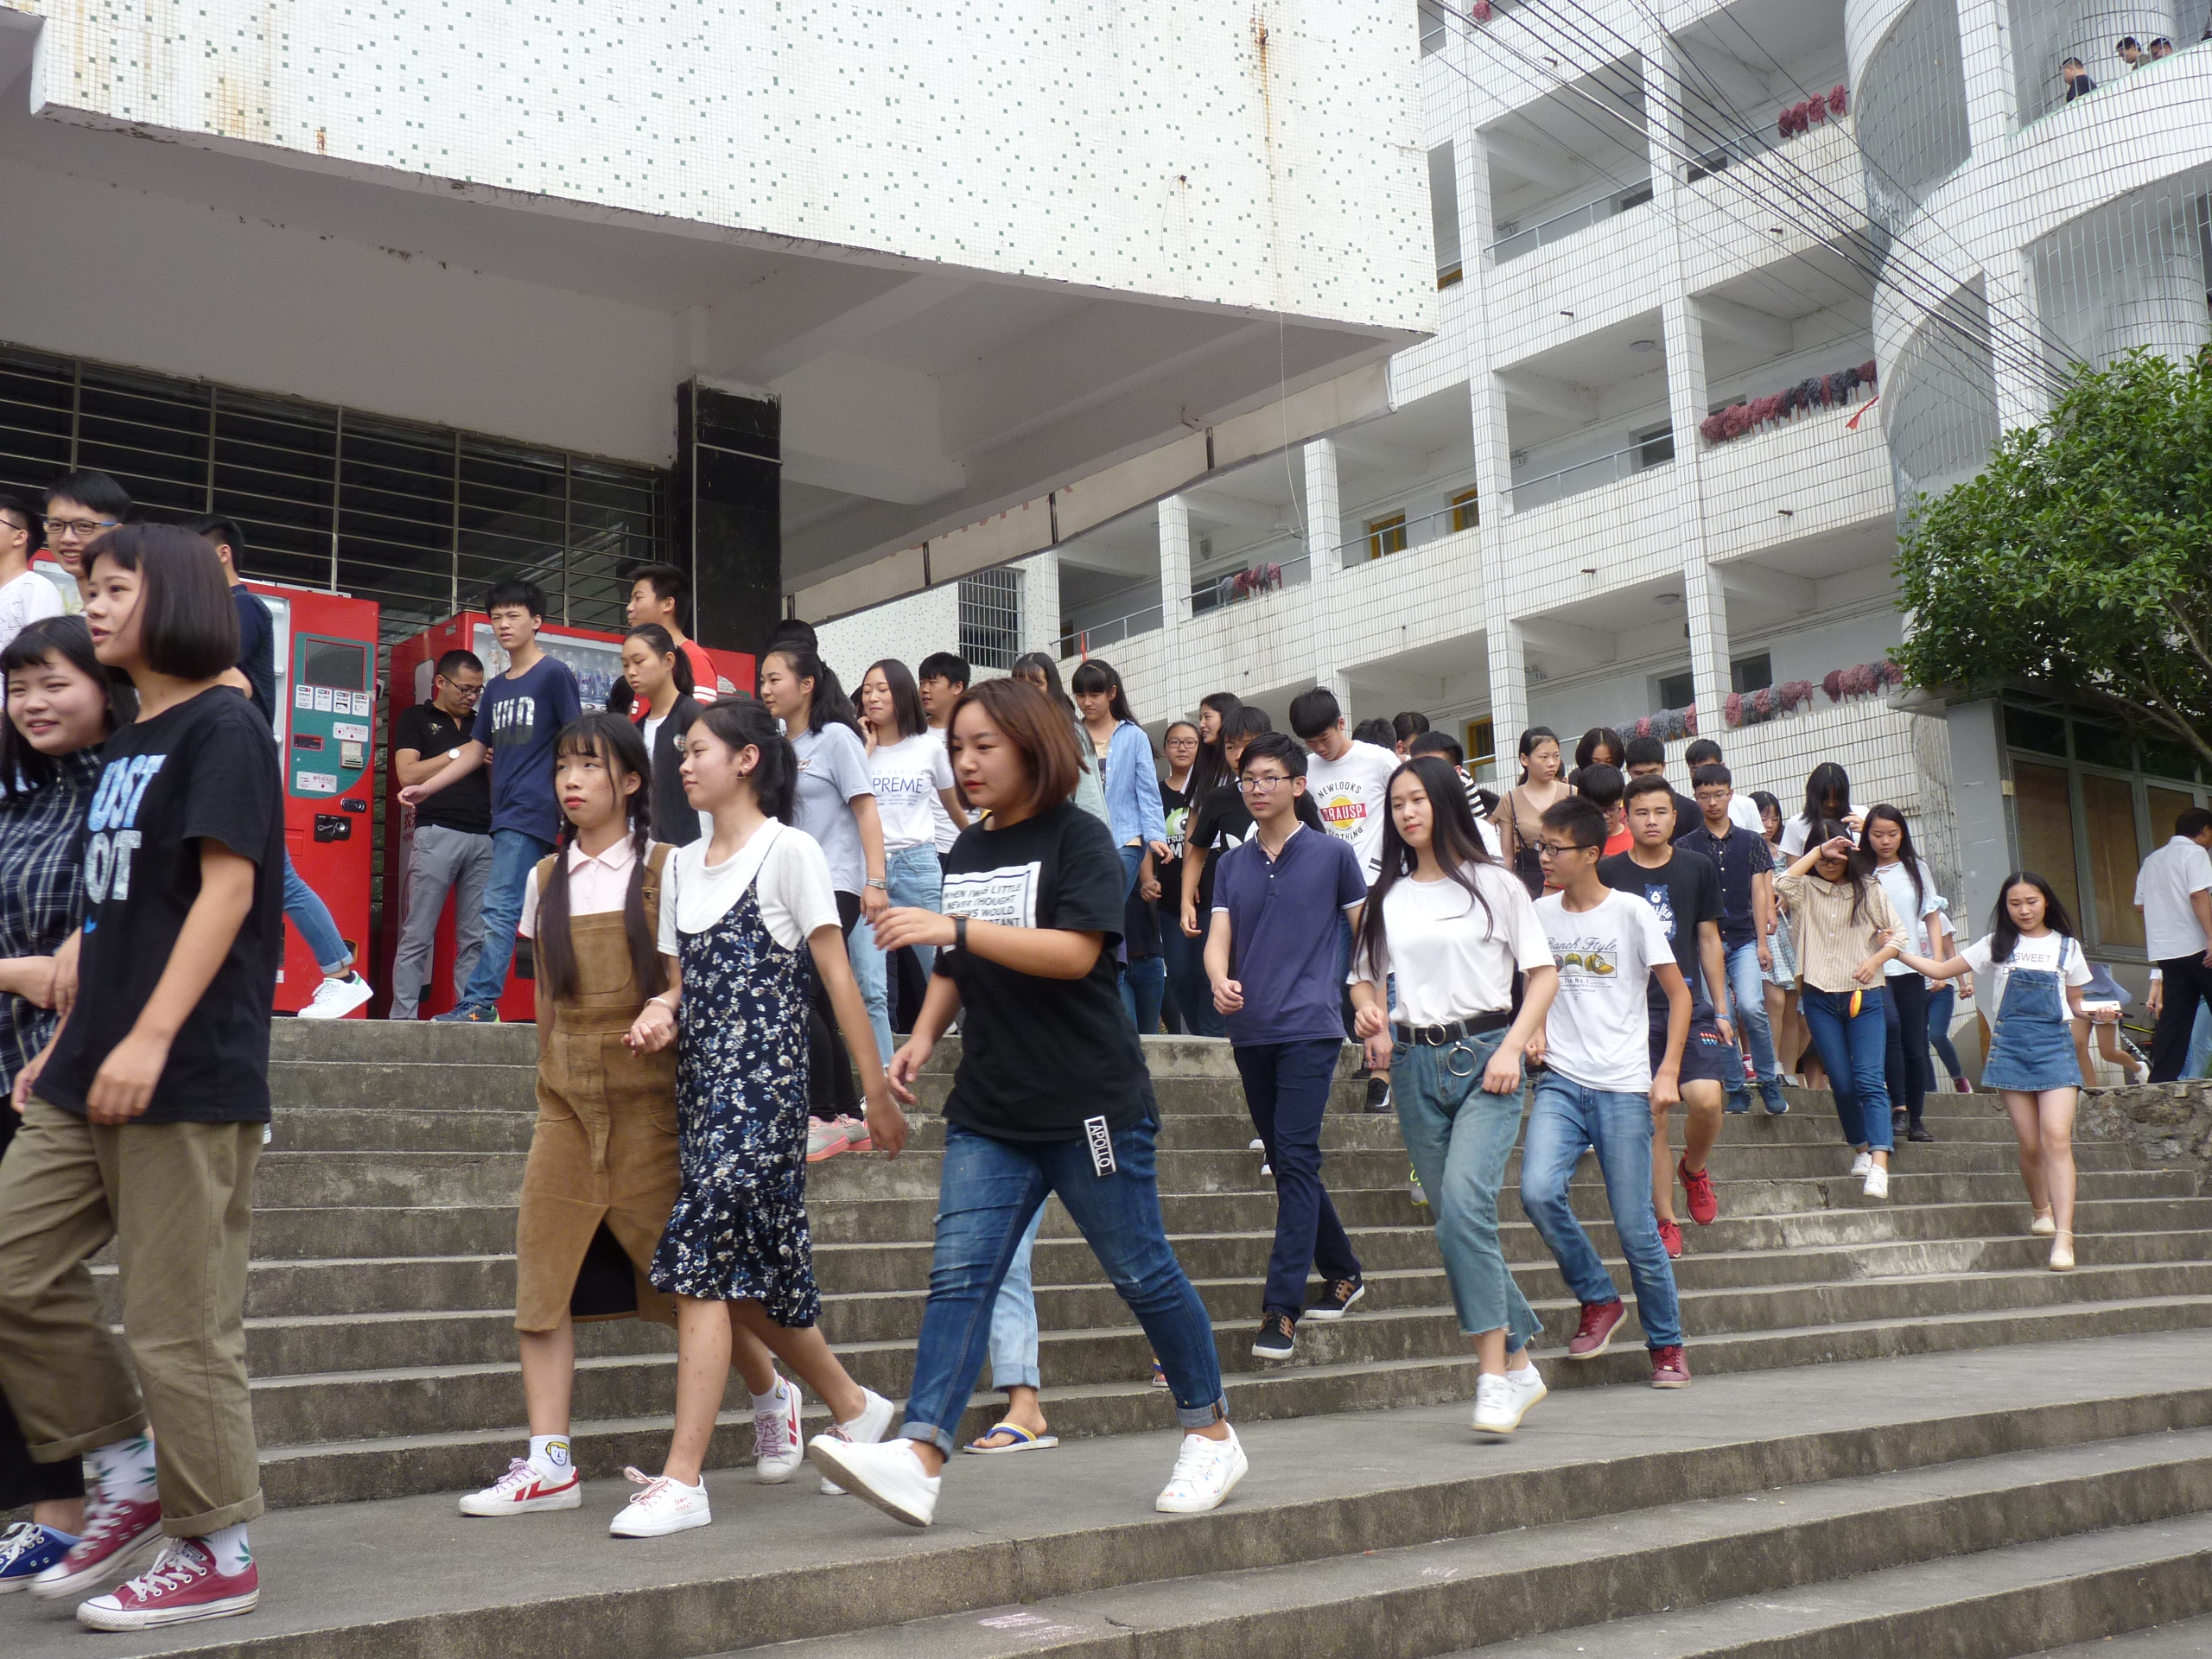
[[727, 525], [2011, 301], [1984, 54], [1324, 528], [1705, 605], [1040, 603], [1174, 590]]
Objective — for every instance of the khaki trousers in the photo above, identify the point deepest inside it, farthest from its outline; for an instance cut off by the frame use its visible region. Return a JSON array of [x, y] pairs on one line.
[[177, 1200]]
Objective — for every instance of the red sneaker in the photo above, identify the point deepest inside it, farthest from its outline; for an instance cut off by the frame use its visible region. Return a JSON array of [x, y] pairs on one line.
[[1596, 1331], [1671, 1237], [120, 1533], [1705, 1203], [184, 1585], [1668, 1369]]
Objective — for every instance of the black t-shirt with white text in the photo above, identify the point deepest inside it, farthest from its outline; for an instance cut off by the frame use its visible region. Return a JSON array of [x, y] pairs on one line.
[[1039, 1056], [1683, 891], [205, 770], [433, 733]]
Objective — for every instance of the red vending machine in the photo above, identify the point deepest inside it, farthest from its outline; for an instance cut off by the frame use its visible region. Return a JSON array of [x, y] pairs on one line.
[[595, 657], [326, 651]]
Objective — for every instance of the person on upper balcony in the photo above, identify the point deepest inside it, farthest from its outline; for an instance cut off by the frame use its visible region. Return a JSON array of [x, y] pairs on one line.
[[2076, 77]]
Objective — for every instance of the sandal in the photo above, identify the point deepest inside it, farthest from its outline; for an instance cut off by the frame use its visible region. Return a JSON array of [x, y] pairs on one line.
[[1023, 1441]]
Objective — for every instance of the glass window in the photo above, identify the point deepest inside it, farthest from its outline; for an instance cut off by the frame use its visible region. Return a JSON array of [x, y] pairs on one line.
[[1480, 740], [2163, 758], [2045, 733], [1655, 448], [1386, 535], [2102, 746], [1751, 673], [1677, 690], [2108, 810], [1466, 512], [2043, 811], [2166, 805]]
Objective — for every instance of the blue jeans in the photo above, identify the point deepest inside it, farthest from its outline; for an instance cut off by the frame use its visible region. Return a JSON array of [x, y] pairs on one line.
[[515, 853], [1460, 1137], [989, 1191], [1132, 862], [312, 916], [1568, 1117], [2200, 1043], [1144, 988], [1853, 1051], [1746, 990], [1014, 1319], [911, 877], [1187, 976], [1939, 1003], [1287, 1091]]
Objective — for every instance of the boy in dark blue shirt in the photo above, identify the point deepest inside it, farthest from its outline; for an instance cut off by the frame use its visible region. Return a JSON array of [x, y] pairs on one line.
[[516, 724], [1747, 868], [1271, 955]]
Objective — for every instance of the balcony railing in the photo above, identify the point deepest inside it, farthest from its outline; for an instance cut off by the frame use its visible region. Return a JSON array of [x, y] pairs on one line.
[[1548, 487], [1403, 536], [1253, 576], [1527, 238]]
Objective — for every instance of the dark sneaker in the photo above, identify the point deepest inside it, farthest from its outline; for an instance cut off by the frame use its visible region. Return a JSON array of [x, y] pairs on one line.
[[1740, 1102], [1919, 1132], [1342, 1293], [1670, 1236], [1378, 1093], [1898, 1120], [27, 1549], [1705, 1203], [1278, 1335], [468, 1014], [1668, 1369], [1595, 1333], [1778, 1104]]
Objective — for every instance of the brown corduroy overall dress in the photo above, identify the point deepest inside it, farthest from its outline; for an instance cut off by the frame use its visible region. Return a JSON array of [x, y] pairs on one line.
[[603, 1152]]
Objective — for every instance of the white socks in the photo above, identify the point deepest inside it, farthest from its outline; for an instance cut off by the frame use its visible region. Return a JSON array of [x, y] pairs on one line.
[[550, 1453], [125, 1468], [228, 1550], [776, 1396]]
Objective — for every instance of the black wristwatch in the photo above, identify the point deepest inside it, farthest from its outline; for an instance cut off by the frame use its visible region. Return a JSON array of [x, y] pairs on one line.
[[960, 932]]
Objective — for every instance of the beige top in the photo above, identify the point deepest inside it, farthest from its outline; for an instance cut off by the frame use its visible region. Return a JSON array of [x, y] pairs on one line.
[[1829, 942]]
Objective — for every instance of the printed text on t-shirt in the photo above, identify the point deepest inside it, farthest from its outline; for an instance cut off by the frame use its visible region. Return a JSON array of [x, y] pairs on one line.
[[1007, 896], [113, 822]]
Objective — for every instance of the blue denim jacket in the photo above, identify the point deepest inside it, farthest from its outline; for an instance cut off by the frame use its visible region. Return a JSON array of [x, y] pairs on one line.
[[1133, 787]]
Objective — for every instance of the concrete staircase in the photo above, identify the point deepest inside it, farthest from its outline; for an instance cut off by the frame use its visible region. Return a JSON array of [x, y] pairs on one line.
[[1957, 1472]]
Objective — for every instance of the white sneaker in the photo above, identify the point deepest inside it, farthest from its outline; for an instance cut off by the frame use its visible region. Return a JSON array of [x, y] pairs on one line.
[[1878, 1182], [336, 998], [1494, 1409], [870, 1427], [777, 1449], [887, 1473], [1862, 1163], [1206, 1472], [1257, 1145], [664, 1507], [1527, 1386], [525, 1487]]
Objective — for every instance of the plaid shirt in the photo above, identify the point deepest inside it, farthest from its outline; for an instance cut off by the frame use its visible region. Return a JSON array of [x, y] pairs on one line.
[[42, 891]]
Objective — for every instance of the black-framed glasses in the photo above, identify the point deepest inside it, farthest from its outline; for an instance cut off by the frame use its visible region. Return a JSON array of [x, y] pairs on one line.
[[1258, 783], [1560, 849], [79, 526]]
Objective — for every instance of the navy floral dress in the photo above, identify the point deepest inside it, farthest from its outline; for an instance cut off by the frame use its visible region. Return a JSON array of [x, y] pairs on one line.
[[738, 1231]]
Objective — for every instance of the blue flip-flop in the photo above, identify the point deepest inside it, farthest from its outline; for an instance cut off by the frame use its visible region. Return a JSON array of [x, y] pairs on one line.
[[1024, 1441]]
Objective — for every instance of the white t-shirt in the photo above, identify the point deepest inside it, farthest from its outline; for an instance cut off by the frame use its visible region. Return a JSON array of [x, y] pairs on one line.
[[2046, 953], [2162, 888], [25, 600], [1452, 963], [796, 895], [1896, 882], [1352, 795], [1794, 830], [1744, 812], [908, 774], [940, 820], [1598, 1033]]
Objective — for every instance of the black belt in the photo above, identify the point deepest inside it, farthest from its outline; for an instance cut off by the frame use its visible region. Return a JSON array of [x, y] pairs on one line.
[[1452, 1031]]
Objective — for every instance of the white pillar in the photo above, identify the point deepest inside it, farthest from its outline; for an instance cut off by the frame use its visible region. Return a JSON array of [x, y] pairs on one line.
[[1324, 528], [1175, 589], [1704, 604], [1040, 603], [1984, 51], [2011, 301]]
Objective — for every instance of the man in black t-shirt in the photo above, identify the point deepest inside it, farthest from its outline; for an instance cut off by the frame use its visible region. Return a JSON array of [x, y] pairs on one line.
[[451, 848], [1685, 890]]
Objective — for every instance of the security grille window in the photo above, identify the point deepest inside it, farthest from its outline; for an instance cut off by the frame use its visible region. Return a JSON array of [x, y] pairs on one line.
[[990, 617], [418, 517], [2130, 273], [1911, 118]]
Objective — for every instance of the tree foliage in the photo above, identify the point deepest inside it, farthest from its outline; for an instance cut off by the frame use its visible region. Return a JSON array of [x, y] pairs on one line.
[[2083, 558]]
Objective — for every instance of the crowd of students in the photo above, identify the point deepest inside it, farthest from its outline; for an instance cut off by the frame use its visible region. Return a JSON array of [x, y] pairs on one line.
[[753, 921]]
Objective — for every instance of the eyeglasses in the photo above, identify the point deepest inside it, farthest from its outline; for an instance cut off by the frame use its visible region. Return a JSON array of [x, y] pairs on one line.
[[1560, 849], [466, 693], [1258, 783], [11, 524], [78, 527]]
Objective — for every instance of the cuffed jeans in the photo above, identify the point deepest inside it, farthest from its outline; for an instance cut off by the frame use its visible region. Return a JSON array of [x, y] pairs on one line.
[[1186, 974], [1013, 1319], [515, 853], [312, 916], [988, 1194], [1566, 1118], [440, 861], [1287, 1091], [911, 877], [1853, 1051], [1460, 1136], [1746, 989]]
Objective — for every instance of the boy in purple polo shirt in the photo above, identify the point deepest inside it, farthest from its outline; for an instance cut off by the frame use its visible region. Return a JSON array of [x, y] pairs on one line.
[[1271, 955]]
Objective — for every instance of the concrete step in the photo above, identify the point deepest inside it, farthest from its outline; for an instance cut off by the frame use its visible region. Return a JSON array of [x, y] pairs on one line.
[[2186, 1638], [1778, 1479]]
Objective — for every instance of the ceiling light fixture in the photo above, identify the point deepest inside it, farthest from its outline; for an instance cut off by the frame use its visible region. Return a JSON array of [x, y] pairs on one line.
[[1668, 598], [1643, 344]]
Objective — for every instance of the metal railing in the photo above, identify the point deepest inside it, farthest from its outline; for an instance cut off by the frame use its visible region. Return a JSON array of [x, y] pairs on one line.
[[1377, 544], [1548, 487], [1082, 639], [1249, 579], [1544, 232]]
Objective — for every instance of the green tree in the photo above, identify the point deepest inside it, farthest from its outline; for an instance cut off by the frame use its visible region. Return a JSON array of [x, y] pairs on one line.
[[2083, 558]]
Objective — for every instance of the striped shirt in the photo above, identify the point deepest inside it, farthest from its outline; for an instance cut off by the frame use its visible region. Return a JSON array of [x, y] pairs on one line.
[[41, 891]]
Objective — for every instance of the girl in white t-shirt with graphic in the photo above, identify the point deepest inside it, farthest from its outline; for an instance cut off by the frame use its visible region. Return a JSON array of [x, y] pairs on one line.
[[2034, 969]]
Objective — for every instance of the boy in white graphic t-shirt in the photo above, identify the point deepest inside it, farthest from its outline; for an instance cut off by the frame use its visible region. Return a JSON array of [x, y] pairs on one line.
[[1600, 1089]]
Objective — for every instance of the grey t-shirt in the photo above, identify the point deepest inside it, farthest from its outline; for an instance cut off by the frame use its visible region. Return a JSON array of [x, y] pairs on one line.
[[832, 770]]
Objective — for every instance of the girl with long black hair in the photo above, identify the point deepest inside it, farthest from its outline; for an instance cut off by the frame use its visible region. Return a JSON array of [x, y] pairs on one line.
[[1911, 886], [1844, 930], [1451, 926], [1123, 756], [659, 679], [1212, 768], [2034, 969], [742, 913], [1828, 799], [1538, 790]]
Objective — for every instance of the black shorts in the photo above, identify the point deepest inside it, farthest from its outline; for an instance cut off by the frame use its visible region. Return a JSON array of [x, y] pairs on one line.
[[1707, 1057]]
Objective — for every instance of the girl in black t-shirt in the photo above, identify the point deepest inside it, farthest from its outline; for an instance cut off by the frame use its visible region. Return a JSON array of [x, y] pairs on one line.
[[143, 1117], [1033, 907]]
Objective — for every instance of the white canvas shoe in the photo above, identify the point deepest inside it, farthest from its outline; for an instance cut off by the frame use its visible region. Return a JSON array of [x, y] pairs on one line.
[[870, 1427], [1206, 1472], [887, 1473], [664, 1507]]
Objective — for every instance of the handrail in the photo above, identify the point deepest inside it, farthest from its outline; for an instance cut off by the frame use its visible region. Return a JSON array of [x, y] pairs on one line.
[[1533, 237], [1358, 543], [1634, 453]]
